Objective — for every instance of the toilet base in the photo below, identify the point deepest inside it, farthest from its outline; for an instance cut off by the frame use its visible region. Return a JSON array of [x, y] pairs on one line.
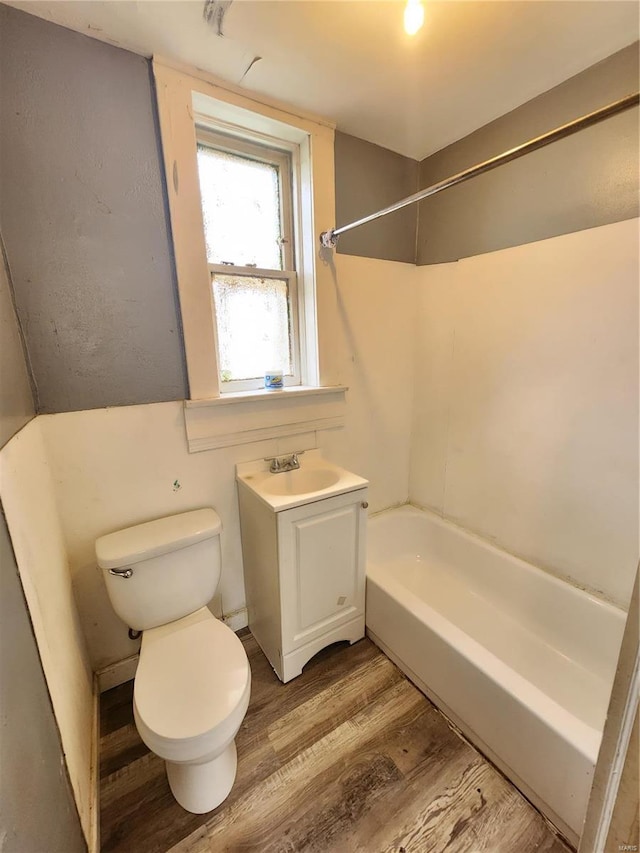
[[200, 788]]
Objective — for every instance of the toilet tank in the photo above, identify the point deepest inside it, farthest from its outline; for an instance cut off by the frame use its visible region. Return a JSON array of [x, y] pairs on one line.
[[162, 570]]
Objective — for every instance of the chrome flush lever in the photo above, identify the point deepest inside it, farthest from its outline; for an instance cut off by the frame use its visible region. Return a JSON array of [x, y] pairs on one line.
[[121, 573]]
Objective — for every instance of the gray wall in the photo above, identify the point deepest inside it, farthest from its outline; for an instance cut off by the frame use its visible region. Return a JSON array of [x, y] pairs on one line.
[[586, 180], [83, 206], [16, 400], [369, 178], [37, 809], [82, 213]]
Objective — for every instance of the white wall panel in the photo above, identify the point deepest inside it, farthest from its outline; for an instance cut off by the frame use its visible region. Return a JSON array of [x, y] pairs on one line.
[[372, 346], [525, 424], [29, 502]]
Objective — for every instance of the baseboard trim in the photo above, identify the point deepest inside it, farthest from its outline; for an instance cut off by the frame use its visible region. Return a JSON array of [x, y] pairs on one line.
[[237, 619], [117, 673]]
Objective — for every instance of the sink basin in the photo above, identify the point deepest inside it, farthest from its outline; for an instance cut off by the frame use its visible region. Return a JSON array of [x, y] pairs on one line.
[[315, 479], [301, 481]]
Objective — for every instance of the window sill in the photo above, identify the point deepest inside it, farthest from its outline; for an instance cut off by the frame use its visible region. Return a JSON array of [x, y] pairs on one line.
[[262, 394], [248, 416]]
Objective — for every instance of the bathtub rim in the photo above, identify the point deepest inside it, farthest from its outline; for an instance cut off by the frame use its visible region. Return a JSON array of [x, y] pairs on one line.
[[559, 581]]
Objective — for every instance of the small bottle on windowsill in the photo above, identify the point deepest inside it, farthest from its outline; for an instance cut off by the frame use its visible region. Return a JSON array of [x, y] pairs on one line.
[[273, 380]]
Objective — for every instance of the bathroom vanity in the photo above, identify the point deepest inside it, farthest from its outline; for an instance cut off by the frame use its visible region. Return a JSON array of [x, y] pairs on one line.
[[304, 553]]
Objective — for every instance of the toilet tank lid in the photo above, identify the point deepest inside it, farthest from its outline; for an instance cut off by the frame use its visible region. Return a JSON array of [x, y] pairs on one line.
[[154, 538]]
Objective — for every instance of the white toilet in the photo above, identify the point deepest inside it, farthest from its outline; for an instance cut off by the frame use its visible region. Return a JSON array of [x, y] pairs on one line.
[[192, 686]]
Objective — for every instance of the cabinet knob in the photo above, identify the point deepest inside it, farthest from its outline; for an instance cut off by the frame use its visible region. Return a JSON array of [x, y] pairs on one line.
[[365, 504]]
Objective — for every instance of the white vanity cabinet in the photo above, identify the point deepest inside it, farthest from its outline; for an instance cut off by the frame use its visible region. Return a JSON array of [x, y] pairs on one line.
[[304, 570]]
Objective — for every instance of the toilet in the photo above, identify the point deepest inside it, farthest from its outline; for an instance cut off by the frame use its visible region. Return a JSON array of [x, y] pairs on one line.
[[193, 682]]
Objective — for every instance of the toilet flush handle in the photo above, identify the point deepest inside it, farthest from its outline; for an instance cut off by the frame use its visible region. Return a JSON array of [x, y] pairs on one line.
[[121, 573]]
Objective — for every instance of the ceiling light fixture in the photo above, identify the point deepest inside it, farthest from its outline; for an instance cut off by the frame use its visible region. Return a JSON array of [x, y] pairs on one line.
[[413, 16]]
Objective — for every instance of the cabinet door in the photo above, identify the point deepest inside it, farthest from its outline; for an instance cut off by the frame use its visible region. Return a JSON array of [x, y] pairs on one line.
[[322, 550]]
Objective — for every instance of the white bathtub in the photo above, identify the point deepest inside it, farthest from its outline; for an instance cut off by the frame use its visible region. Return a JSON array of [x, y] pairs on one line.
[[522, 662]]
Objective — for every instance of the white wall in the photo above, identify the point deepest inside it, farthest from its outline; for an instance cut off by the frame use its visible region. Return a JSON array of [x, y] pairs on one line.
[[29, 502], [524, 418], [116, 467], [371, 342], [525, 425]]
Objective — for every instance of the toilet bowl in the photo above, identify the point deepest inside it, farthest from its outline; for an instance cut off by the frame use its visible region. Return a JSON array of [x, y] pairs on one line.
[[193, 681], [190, 695]]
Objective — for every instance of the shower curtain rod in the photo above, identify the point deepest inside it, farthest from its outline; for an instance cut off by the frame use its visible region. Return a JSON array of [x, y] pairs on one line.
[[328, 239]]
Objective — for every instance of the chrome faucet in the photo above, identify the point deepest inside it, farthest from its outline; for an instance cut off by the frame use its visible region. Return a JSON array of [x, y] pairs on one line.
[[280, 464]]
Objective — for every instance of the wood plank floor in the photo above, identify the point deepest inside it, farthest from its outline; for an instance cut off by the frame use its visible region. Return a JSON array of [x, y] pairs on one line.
[[348, 758]]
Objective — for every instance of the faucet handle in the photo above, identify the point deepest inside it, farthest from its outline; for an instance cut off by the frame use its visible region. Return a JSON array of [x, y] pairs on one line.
[[291, 463], [295, 453], [275, 463], [284, 462]]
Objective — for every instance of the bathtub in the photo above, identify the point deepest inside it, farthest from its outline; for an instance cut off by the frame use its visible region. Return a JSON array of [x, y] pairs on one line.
[[521, 662]]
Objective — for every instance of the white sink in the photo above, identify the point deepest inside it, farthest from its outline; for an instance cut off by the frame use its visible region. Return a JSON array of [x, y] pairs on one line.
[[300, 482], [315, 479]]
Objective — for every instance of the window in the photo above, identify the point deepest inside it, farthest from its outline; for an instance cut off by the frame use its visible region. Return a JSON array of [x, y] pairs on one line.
[[201, 118], [247, 211], [287, 160]]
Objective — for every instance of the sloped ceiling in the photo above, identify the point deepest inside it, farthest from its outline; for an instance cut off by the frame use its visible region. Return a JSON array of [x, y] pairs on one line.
[[352, 62]]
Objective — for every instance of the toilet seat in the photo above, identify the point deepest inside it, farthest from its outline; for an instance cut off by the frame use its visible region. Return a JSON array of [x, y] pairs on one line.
[[192, 688]]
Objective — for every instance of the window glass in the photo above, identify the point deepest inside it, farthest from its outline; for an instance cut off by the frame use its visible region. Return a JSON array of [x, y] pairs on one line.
[[253, 325], [240, 208]]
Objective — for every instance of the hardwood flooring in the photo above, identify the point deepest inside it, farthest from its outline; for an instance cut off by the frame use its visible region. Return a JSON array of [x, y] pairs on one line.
[[348, 758]]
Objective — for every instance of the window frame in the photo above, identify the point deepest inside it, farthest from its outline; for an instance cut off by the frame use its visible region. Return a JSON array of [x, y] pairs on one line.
[[182, 94], [285, 157]]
